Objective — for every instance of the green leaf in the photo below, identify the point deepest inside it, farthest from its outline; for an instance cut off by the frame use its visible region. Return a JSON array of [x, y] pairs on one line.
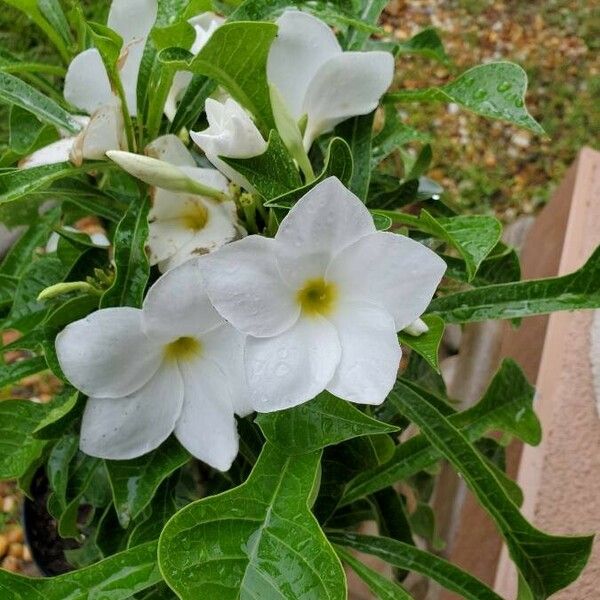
[[578, 290], [426, 344], [108, 43], [383, 588], [53, 13], [495, 90], [357, 132], [505, 406], [192, 103], [272, 173], [8, 286], [57, 469], [338, 163], [114, 578], [236, 57], [18, 447], [61, 412], [425, 43], [500, 268], [16, 92], [371, 11], [258, 540], [134, 482], [132, 266], [393, 135], [27, 132], [27, 311], [16, 183], [547, 563], [322, 422], [472, 236], [405, 556], [20, 369]]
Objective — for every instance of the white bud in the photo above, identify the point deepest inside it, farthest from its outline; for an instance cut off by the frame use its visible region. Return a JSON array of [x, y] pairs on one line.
[[416, 328]]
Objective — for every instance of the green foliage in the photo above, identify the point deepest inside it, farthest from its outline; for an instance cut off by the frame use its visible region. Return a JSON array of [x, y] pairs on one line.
[[268, 541], [426, 344], [495, 90]]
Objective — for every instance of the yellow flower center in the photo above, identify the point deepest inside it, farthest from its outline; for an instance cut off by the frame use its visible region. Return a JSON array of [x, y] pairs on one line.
[[195, 216], [317, 297], [183, 348]]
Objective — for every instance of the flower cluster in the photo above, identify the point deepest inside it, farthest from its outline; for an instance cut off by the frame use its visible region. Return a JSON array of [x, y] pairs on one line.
[[239, 323]]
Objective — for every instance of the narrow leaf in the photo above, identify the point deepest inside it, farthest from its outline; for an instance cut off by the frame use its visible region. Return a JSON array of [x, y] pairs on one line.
[[426, 344]]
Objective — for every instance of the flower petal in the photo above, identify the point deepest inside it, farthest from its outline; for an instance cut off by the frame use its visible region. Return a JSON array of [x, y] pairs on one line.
[[105, 131], [245, 286], [224, 345], [370, 353], [131, 59], [56, 152], [86, 84], [166, 237], [132, 19], [303, 44], [390, 270], [230, 133], [347, 85], [206, 426], [171, 149], [106, 354], [219, 230], [323, 222], [293, 367], [123, 428], [177, 305], [181, 81]]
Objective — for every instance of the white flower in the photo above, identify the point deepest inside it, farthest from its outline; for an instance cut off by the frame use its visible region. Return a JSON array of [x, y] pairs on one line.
[[86, 84], [183, 224], [171, 367], [322, 302], [205, 25], [318, 80], [230, 133]]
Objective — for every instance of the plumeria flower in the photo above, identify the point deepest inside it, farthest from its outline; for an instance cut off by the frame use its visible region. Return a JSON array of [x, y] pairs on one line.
[[230, 133], [322, 302], [173, 366], [183, 224], [320, 82], [205, 25]]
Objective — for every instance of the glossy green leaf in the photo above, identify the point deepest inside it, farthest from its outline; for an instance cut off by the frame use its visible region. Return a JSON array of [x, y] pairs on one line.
[[578, 290], [114, 578], [14, 184], [54, 14], [426, 344], [405, 556], [358, 132], [472, 236], [383, 588], [273, 173], [258, 540], [547, 563], [15, 91], [57, 470], [27, 132], [425, 43], [192, 103], [324, 421], [19, 257], [61, 411], [505, 406], [13, 372], [371, 10], [18, 447], [236, 57], [338, 163], [132, 266], [27, 311], [8, 286], [393, 135], [495, 90], [389, 193], [500, 268], [134, 482]]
